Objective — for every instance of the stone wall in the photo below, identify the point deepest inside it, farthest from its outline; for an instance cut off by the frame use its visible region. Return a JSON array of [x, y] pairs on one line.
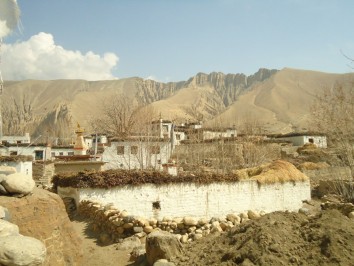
[[113, 223], [202, 201]]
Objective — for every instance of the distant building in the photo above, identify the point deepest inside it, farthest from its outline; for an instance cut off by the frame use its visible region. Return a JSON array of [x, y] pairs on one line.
[[26, 139], [300, 139]]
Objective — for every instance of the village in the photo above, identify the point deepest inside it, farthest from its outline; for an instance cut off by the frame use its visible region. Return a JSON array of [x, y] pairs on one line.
[[185, 180]]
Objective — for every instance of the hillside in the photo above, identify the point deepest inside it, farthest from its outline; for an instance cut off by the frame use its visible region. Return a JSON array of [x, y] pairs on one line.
[[282, 103], [279, 99]]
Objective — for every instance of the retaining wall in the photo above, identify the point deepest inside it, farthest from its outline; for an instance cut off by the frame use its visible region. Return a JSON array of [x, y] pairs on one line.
[[189, 199]]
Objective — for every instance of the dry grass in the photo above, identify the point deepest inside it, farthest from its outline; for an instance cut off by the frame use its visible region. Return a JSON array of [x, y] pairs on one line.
[[307, 147], [313, 166], [276, 172]]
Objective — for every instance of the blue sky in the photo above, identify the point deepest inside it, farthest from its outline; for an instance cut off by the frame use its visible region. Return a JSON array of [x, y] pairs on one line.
[[172, 40]]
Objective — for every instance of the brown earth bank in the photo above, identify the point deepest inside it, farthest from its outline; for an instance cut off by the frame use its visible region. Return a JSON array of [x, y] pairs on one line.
[[42, 215], [279, 238]]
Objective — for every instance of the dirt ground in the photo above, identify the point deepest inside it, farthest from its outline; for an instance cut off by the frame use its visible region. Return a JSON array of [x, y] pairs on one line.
[[282, 238], [95, 254], [279, 239]]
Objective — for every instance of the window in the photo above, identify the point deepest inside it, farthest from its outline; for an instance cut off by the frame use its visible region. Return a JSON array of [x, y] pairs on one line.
[[120, 150], [19, 142], [311, 140], [155, 149], [53, 153], [178, 136], [134, 150], [61, 153], [13, 152], [165, 128], [38, 155], [70, 153]]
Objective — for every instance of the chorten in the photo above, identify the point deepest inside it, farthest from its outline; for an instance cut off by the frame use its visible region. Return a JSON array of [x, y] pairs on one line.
[[80, 146]]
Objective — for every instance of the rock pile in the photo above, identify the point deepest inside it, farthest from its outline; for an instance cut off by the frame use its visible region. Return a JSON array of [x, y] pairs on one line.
[[13, 183], [120, 224], [16, 249]]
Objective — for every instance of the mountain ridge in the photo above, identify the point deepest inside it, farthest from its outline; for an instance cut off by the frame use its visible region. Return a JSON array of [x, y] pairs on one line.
[[269, 94]]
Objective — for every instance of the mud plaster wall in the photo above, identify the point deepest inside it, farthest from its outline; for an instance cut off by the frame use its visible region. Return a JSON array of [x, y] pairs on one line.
[[189, 199]]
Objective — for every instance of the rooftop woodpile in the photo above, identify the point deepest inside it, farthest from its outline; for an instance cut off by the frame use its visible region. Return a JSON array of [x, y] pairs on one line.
[[278, 171]]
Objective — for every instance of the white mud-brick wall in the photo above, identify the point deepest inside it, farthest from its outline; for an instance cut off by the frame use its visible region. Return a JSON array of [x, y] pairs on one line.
[[189, 199]]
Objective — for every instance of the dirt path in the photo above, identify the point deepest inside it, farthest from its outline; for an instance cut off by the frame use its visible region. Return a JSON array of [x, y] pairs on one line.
[[95, 254]]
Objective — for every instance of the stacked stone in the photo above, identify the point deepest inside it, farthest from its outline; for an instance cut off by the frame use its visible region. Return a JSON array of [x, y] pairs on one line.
[[119, 224]]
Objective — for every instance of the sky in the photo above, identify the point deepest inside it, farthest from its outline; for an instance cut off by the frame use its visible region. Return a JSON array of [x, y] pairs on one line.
[[172, 40]]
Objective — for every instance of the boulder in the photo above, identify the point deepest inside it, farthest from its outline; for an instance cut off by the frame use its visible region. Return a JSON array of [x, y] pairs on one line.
[[129, 243], [351, 215], [253, 215], [3, 191], [138, 254], [21, 250], [162, 245], [8, 229], [18, 183], [163, 262], [6, 170], [190, 221], [234, 218], [5, 214]]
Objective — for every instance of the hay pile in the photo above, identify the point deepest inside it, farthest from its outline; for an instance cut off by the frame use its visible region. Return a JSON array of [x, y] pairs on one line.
[[276, 172], [313, 166], [307, 148]]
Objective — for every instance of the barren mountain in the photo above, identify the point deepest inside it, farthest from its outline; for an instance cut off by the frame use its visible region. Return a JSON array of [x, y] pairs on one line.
[[279, 99], [282, 103]]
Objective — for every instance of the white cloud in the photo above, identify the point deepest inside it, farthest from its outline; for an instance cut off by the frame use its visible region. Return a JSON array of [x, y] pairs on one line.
[[9, 16], [41, 58]]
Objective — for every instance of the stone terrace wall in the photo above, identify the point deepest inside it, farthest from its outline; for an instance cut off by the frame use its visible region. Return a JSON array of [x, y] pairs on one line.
[[113, 224], [201, 201]]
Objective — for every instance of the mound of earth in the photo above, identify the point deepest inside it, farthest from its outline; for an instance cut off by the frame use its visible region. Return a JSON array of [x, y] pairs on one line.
[[279, 239]]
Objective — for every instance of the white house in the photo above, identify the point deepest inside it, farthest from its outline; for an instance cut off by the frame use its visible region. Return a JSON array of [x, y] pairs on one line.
[[137, 153], [16, 139], [62, 151], [300, 139], [162, 128], [38, 152], [22, 164]]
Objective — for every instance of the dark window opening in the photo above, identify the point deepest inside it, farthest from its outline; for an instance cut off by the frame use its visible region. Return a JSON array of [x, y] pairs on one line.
[[38, 155], [156, 205], [134, 150], [120, 150], [13, 152], [155, 149], [311, 141]]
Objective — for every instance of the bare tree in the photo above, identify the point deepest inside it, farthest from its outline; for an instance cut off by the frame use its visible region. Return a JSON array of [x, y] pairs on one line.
[[333, 114], [118, 116], [18, 116]]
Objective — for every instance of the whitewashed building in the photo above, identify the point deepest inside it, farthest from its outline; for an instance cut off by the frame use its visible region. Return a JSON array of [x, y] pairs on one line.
[[300, 139], [26, 139], [137, 153]]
